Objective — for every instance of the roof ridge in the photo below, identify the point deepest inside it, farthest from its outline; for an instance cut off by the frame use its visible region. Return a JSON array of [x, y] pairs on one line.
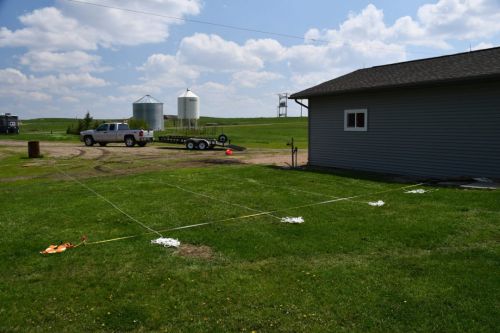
[[480, 64], [436, 57]]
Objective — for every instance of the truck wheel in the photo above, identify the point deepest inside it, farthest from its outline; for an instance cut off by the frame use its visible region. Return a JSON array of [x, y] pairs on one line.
[[202, 145], [222, 138], [129, 141], [89, 142], [190, 145], [102, 144], [142, 144]]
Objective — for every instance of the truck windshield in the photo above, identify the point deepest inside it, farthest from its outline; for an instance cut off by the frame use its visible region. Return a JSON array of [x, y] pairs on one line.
[[123, 127]]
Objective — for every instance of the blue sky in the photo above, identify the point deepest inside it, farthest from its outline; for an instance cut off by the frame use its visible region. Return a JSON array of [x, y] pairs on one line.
[[61, 58]]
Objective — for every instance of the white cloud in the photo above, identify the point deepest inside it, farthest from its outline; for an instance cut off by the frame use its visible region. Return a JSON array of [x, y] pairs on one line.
[[481, 46], [49, 29], [461, 19], [168, 65], [266, 49], [46, 61], [216, 54], [227, 101], [436, 24], [69, 99], [85, 27], [250, 79], [117, 27], [162, 72], [14, 83]]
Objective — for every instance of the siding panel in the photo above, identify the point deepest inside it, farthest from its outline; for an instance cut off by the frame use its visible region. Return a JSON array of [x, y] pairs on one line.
[[449, 131]]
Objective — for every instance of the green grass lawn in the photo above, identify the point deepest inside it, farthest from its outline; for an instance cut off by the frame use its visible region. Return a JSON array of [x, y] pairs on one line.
[[248, 132], [427, 263]]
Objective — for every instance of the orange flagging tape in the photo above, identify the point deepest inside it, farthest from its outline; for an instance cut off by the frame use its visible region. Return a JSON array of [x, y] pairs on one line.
[[52, 249]]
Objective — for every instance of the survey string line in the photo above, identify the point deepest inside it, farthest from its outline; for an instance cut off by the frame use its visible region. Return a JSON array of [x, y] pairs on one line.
[[215, 199], [284, 187], [106, 200], [209, 197], [257, 214]]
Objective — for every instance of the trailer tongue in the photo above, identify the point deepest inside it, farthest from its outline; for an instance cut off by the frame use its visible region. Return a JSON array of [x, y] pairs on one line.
[[200, 143]]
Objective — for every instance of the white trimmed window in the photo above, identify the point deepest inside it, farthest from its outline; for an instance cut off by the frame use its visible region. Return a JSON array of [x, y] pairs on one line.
[[356, 120]]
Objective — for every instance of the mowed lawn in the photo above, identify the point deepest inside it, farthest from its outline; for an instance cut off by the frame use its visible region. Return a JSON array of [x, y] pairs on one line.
[[423, 262]]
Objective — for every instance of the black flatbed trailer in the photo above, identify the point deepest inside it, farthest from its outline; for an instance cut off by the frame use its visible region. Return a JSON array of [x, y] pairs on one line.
[[200, 143]]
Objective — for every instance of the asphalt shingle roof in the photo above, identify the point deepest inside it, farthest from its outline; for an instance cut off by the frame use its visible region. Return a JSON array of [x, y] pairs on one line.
[[451, 68]]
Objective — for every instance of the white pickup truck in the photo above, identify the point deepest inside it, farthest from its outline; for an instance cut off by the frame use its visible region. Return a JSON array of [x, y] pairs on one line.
[[116, 132]]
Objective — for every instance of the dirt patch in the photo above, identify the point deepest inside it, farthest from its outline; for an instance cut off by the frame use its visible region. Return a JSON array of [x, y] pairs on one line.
[[221, 161], [193, 251], [155, 156], [102, 168], [280, 158], [17, 178]]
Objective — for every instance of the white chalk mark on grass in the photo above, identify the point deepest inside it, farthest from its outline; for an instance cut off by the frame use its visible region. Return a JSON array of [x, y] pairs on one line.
[[166, 242], [293, 220], [417, 191], [379, 203]]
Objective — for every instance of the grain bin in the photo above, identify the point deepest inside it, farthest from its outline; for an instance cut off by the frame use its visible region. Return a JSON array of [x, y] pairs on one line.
[[150, 110], [188, 108]]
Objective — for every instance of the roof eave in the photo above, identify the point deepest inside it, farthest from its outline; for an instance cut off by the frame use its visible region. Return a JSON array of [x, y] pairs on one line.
[[305, 95]]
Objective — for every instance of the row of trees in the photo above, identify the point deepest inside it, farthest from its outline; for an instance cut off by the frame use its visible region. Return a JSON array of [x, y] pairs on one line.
[[89, 123]]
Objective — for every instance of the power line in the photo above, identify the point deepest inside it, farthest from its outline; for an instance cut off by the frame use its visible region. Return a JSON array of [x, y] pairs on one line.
[[227, 26]]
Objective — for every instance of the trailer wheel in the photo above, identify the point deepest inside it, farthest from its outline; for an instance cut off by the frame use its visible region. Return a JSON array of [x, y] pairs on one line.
[[129, 141], [222, 138], [190, 145], [89, 141], [202, 145]]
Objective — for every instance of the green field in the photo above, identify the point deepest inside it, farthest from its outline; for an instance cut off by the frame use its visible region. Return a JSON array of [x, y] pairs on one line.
[[248, 132], [421, 263]]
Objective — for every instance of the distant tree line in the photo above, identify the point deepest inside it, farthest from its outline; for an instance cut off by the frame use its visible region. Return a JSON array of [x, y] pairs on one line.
[[83, 124], [89, 123]]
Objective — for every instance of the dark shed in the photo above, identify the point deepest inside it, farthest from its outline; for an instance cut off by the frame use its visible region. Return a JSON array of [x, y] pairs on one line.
[[437, 117]]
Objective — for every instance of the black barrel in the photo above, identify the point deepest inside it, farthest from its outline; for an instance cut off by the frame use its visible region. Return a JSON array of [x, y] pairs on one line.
[[33, 149]]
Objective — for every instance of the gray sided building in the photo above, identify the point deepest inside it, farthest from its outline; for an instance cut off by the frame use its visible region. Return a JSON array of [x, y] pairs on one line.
[[432, 118]]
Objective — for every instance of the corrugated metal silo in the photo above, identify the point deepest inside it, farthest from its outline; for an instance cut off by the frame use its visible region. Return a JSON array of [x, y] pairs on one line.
[[188, 108], [150, 110]]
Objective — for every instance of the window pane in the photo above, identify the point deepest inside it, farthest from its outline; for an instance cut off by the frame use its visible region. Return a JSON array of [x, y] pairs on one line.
[[360, 120], [123, 127], [351, 120], [112, 127]]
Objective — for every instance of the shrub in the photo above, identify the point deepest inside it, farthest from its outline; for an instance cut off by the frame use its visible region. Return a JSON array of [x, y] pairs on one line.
[[135, 123], [83, 124]]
